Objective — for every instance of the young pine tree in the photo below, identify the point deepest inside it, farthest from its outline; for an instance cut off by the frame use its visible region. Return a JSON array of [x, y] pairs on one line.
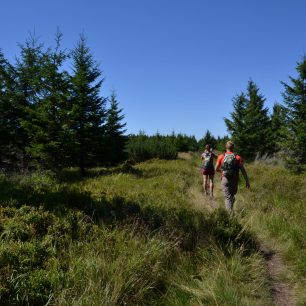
[[236, 125], [221, 142], [114, 131], [278, 127], [11, 133], [47, 121], [257, 123], [207, 139], [88, 110], [250, 126], [295, 100], [28, 92], [54, 109]]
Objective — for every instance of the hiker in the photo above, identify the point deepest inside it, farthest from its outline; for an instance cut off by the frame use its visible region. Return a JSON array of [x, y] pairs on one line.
[[208, 170], [230, 164]]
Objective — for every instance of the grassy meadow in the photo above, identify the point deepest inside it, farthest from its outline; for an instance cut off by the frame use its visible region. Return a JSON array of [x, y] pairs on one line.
[[145, 235], [275, 212]]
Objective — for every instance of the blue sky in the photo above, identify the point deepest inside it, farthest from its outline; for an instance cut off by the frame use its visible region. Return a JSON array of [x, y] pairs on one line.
[[176, 64]]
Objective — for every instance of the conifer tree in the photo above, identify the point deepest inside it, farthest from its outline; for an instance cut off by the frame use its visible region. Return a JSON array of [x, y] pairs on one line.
[[28, 92], [221, 142], [115, 127], [11, 133], [207, 139], [295, 100], [278, 127], [236, 125], [54, 109], [114, 131], [88, 110], [46, 122], [250, 126], [257, 124]]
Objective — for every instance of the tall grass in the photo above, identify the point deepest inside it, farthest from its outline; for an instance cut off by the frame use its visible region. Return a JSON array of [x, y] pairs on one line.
[[275, 211], [130, 235]]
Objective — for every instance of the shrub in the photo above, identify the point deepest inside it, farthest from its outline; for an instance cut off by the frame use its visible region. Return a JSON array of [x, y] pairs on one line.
[[142, 147]]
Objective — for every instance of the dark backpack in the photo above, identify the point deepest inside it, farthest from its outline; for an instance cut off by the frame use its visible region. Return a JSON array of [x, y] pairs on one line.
[[208, 161], [230, 166]]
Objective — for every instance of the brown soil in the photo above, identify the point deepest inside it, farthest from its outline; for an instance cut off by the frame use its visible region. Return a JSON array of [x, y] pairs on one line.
[[281, 291]]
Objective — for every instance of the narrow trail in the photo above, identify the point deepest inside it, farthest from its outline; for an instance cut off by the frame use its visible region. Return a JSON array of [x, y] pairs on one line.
[[281, 292]]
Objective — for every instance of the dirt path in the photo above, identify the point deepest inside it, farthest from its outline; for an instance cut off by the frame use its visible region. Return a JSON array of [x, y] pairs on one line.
[[280, 291]]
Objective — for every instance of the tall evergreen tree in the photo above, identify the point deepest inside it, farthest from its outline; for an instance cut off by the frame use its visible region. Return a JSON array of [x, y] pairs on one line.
[[88, 109], [295, 100], [207, 139], [11, 133], [114, 131], [236, 125], [250, 126], [221, 142], [278, 127], [54, 109], [47, 121], [257, 123], [29, 91], [23, 92]]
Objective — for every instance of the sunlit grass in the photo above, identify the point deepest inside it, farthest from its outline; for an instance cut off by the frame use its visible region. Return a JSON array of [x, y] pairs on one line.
[[275, 210], [130, 235]]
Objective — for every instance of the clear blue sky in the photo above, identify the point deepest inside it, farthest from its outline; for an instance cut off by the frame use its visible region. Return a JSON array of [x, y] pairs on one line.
[[176, 64]]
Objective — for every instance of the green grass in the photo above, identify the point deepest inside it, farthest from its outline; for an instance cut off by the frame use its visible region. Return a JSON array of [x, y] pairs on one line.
[[130, 235], [275, 211]]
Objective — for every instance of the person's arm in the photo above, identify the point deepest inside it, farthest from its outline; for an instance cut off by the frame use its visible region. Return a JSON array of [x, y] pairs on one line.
[[245, 176], [218, 164]]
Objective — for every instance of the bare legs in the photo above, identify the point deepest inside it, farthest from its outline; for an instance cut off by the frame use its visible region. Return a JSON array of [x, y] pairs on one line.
[[205, 184], [208, 185], [211, 180]]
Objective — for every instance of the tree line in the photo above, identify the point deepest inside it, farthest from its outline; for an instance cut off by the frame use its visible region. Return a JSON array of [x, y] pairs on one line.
[[52, 113], [141, 147], [257, 133]]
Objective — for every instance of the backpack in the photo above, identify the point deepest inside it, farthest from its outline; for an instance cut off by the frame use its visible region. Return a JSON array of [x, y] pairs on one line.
[[208, 161], [230, 167]]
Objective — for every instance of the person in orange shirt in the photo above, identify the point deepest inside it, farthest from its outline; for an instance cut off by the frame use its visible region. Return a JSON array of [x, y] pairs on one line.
[[230, 164]]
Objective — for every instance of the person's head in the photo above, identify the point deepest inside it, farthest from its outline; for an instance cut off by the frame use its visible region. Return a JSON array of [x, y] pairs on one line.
[[230, 146], [207, 147]]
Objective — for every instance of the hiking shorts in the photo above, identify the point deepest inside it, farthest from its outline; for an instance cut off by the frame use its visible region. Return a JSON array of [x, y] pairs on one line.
[[208, 171]]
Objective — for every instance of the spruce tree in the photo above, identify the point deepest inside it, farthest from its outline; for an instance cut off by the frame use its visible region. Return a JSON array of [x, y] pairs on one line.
[[295, 100], [47, 125], [236, 125], [11, 133], [257, 124], [221, 142], [278, 127], [114, 131], [207, 139], [250, 125], [29, 92], [54, 109], [88, 107]]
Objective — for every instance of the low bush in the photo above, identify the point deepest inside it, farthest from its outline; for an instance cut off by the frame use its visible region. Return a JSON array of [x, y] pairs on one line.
[[142, 147]]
